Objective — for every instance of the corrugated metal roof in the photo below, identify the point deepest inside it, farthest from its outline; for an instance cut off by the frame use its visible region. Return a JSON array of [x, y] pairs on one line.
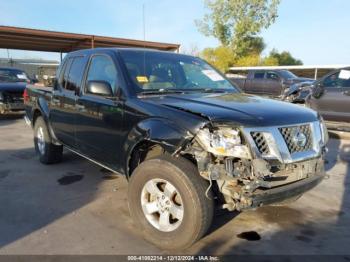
[[52, 41]]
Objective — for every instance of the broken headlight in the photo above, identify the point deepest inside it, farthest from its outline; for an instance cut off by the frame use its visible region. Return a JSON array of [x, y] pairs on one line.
[[223, 141]]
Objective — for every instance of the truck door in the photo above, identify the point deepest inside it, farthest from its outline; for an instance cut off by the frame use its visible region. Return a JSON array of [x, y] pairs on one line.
[[63, 113], [99, 128], [255, 83], [333, 103], [273, 84]]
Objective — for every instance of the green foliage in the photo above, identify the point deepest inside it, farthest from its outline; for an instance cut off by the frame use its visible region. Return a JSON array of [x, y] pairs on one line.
[[256, 60], [249, 60], [284, 58], [237, 23], [270, 61], [247, 46], [221, 57]]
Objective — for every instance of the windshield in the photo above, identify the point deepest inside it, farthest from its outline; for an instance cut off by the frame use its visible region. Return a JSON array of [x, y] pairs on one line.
[[287, 74], [161, 72], [11, 75]]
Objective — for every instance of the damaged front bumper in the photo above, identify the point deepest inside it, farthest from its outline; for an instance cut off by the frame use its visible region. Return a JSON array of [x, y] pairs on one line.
[[281, 193], [8, 107], [250, 190], [271, 168]]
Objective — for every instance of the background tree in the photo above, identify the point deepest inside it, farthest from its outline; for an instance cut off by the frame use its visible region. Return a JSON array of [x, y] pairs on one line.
[[221, 57], [237, 23], [284, 58]]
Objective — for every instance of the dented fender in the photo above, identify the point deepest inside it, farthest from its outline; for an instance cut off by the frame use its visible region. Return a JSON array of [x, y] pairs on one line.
[[171, 137]]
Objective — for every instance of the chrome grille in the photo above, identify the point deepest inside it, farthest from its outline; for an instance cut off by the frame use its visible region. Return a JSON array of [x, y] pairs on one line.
[[289, 134], [279, 142], [260, 142]]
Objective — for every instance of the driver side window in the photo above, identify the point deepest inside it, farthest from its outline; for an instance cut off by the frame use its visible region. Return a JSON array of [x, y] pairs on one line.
[[102, 68], [332, 81], [272, 76]]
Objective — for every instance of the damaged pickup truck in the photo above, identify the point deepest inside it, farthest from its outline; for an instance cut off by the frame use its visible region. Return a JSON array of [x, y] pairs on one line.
[[185, 138]]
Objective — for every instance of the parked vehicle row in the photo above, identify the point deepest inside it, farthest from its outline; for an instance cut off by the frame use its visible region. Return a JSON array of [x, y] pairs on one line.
[[273, 83], [328, 95], [182, 134]]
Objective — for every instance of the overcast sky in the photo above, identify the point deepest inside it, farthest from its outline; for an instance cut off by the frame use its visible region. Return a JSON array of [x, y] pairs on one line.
[[315, 31]]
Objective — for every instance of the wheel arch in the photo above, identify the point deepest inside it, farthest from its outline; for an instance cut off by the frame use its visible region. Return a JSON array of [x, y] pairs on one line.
[[42, 109], [153, 137]]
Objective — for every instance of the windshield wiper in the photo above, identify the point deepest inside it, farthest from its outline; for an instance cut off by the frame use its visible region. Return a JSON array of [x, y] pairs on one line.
[[162, 91], [211, 90], [182, 91]]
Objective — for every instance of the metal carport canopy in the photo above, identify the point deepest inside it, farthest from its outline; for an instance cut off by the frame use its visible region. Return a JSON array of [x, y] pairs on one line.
[[52, 41]]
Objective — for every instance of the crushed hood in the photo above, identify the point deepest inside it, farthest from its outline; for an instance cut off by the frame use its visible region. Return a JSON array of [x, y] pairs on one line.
[[240, 109]]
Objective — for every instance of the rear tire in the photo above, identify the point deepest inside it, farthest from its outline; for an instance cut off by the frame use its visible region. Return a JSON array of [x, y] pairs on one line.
[[48, 152], [182, 177]]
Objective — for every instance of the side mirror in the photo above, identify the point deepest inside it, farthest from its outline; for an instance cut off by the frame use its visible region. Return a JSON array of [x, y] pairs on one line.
[[101, 88]]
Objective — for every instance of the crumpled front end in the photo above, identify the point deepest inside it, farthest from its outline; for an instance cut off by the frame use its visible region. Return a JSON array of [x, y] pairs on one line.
[[251, 167], [11, 101]]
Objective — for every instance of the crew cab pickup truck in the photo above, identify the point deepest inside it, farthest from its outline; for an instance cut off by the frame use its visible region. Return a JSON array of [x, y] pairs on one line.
[[273, 83], [181, 133]]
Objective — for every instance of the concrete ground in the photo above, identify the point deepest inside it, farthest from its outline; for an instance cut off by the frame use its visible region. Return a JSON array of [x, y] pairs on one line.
[[76, 207]]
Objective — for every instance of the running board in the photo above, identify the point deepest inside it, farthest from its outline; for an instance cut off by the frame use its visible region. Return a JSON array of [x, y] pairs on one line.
[[93, 161]]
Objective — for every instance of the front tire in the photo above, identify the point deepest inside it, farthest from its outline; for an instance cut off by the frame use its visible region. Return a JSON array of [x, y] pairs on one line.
[[168, 203], [48, 152]]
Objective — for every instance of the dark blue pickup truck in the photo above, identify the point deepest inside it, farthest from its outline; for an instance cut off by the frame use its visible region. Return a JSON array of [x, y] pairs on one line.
[[185, 138]]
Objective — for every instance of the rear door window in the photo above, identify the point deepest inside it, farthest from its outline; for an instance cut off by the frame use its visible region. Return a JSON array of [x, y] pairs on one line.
[[259, 75], [64, 74], [75, 74]]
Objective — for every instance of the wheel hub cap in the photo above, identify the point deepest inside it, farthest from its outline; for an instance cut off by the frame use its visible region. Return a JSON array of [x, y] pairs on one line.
[[162, 205], [40, 140]]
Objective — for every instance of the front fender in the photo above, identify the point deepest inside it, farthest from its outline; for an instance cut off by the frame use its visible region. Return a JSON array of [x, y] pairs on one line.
[[160, 131], [291, 90]]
